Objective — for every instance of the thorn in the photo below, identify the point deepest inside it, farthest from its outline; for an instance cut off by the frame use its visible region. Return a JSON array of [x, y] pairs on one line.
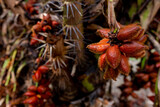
[[77, 9], [43, 34], [71, 9], [63, 62], [79, 32], [73, 70], [69, 57], [69, 43], [61, 29], [66, 33], [75, 32], [50, 51], [67, 10], [42, 46], [59, 65], [42, 41], [59, 7], [70, 33], [44, 53], [54, 63]]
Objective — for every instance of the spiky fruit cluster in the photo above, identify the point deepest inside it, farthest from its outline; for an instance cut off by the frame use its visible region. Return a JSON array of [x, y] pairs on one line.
[[39, 72], [37, 96], [115, 48], [44, 26]]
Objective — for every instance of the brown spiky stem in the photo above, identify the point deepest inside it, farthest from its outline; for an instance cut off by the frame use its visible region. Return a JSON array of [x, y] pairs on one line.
[[73, 18]]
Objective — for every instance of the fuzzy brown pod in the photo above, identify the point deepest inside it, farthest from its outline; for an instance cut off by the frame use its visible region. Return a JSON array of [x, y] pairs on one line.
[[102, 61], [103, 33], [106, 74], [129, 32], [128, 90], [124, 66], [142, 39], [113, 73], [140, 54], [98, 48], [147, 85], [113, 57], [132, 47], [128, 83]]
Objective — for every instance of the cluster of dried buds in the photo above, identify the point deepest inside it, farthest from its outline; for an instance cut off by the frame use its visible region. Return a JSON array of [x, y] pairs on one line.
[[128, 89], [37, 96], [39, 73], [156, 58], [148, 77], [44, 26], [116, 47], [28, 6], [146, 80]]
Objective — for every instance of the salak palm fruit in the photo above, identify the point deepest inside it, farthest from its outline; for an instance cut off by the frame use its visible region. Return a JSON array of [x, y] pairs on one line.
[[116, 48]]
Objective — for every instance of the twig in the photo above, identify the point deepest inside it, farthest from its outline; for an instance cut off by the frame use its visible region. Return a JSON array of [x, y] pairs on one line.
[[154, 42], [111, 17]]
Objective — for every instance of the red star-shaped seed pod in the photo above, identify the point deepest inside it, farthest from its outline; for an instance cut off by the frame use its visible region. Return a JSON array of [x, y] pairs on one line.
[[116, 48]]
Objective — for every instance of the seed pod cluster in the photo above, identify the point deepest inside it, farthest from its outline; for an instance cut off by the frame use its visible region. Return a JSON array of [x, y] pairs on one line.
[[28, 6], [144, 78], [128, 89], [116, 48], [44, 26], [147, 79], [37, 96], [39, 73], [156, 59]]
